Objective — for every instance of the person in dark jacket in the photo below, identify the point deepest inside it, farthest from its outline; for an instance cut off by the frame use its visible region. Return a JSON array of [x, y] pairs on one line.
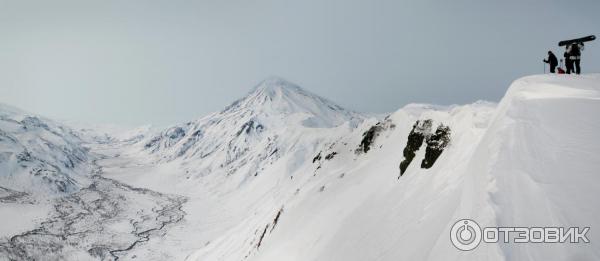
[[568, 61], [576, 49], [552, 61]]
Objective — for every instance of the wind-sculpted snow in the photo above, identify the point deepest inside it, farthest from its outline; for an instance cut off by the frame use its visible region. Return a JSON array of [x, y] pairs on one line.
[[540, 160]]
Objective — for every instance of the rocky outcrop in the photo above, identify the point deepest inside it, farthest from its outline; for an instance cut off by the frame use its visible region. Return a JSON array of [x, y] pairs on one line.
[[372, 133], [416, 136], [435, 144]]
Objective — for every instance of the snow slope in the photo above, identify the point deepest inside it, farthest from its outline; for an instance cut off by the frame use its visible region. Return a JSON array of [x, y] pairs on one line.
[[309, 195], [54, 204], [39, 160], [255, 131], [38, 155], [283, 174], [542, 157], [535, 165], [530, 162]]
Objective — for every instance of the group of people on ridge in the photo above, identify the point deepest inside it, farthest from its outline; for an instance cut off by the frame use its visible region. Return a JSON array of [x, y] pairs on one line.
[[572, 59]]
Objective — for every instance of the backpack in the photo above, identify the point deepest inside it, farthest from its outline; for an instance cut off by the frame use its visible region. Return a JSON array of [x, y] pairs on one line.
[[575, 50], [559, 69]]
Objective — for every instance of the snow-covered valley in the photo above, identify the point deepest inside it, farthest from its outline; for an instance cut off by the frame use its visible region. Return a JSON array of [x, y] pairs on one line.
[[283, 174]]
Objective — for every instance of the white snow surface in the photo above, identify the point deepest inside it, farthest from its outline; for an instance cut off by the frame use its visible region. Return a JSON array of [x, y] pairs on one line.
[[40, 156], [256, 189], [273, 120]]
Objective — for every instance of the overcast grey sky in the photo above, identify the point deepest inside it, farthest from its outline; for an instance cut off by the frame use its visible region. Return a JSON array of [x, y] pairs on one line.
[[165, 62]]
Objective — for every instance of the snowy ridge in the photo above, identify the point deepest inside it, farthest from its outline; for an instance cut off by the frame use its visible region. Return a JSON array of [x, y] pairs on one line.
[[253, 131], [38, 155], [283, 174], [54, 203], [530, 162], [540, 157]]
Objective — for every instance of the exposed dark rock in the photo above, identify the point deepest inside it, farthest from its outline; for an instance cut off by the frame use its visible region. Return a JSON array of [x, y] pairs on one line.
[[24, 156], [152, 142], [189, 143], [420, 131], [273, 152], [330, 155], [249, 127], [175, 133], [316, 158], [436, 145], [197, 133], [32, 122], [12, 196], [262, 236], [372, 133], [170, 137], [369, 138], [277, 218]]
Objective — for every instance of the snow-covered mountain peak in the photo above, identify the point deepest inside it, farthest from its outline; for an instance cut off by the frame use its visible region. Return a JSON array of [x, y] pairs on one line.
[[255, 130], [275, 86], [276, 97]]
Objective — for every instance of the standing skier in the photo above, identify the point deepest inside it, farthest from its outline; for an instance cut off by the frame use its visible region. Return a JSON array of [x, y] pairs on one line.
[[552, 61], [576, 49], [573, 52], [568, 61]]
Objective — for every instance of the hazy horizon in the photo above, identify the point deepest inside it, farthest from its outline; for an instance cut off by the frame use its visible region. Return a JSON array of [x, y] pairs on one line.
[[136, 62]]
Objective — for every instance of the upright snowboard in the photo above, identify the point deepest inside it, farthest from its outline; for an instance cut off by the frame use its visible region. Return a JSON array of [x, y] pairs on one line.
[[578, 40]]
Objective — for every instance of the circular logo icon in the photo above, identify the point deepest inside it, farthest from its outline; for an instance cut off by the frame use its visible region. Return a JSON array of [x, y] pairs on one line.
[[465, 234]]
